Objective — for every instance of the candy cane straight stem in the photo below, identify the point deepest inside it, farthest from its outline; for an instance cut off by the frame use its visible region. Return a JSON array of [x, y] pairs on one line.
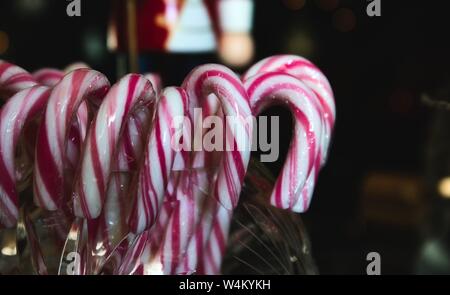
[[50, 156], [154, 174], [216, 243], [113, 225], [126, 97], [268, 89], [14, 115]]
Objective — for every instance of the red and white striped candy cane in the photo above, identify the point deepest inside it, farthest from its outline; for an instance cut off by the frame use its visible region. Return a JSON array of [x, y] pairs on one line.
[[113, 218], [146, 260], [76, 66], [13, 79], [267, 89], [48, 76], [207, 246], [154, 174], [50, 156], [192, 260], [220, 81], [180, 226], [201, 84], [309, 74], [216, 243], [14, 115], [136, 252], [156, 81], [127, 97], [160, 226]]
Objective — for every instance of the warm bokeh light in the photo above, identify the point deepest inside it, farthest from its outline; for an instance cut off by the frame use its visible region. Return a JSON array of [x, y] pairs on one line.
[[93, 45], [30, 8], [236, 49], [301, 43], [327, 5], [112, 42], [294, 4], [9, 244], [444, 187], [154, 267], [9, 251], [4, 42], [344, 20]]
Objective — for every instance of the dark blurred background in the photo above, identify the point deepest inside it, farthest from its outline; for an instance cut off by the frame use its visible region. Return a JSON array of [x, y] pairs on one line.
[[386, 186]]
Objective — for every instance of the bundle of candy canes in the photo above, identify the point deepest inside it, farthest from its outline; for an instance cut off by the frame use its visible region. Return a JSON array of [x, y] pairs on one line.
[[102, 157]]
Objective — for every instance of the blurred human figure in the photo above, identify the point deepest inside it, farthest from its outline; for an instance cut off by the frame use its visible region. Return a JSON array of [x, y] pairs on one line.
[[173, 36]]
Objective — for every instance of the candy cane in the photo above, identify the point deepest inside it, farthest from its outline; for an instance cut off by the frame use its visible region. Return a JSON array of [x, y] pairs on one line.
[[158, 160], [180, 226], [156, 81], [308, 73], [19, 110], [201, 83], [216, 243], [13, 79], [267, 89], [50, 156], [207, 246], [76, 66], [125, 98], [113, 218], [135, 253], [48, 76], [220, 81], [191, 261], [147, 259]]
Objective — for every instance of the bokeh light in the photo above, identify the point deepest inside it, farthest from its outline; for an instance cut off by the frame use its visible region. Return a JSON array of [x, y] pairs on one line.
[[444, 187], [327, 5], [236, 49], [30, 7], [4, 42], [301, 43], [8, 244], [94, 45], [344, 20], [294, 4]]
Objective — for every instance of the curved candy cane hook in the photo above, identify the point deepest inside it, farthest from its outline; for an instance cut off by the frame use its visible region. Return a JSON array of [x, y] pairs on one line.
[[267, 89], [13, 79], [309, 74], [50, 154]]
